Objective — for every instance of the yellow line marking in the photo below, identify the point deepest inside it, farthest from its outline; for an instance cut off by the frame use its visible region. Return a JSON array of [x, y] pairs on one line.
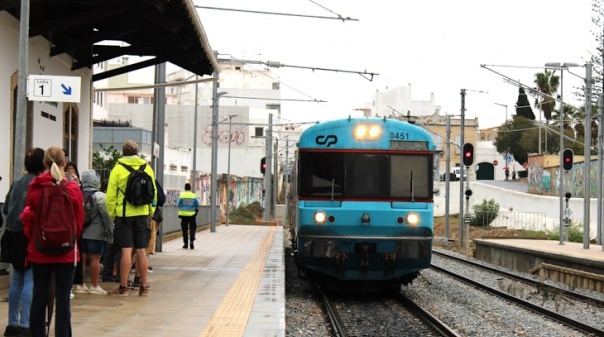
[[230, 319]]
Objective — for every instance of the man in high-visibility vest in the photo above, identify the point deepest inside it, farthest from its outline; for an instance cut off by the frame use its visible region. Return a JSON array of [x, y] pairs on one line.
[[188, 204]]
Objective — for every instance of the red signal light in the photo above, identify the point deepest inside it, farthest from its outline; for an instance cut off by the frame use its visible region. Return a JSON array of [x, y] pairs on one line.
[[567, 159], [263, 165], [468, 154]]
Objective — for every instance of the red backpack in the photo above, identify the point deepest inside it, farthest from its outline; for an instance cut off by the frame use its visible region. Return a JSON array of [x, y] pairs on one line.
[[55, 229]]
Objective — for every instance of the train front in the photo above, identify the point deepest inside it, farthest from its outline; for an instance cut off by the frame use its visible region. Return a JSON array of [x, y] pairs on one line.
[[364, 197]]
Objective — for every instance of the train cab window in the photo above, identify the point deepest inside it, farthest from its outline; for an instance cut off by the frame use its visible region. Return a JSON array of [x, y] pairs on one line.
[[365, 176], [410, 176], [321, 174], [327, 175]]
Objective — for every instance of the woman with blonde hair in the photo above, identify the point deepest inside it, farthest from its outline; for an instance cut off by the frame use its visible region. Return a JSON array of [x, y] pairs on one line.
[[45, 265]]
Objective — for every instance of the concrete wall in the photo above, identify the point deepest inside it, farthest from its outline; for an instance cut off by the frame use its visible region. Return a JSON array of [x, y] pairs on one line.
[[514, 201]]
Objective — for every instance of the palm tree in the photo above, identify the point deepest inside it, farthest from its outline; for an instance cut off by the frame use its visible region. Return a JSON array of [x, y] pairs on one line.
[[547, 83]]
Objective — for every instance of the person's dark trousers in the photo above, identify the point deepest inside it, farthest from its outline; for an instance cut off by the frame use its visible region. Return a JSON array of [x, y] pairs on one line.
[[188, 223], [109, 256], [63, 278], [78, 277]]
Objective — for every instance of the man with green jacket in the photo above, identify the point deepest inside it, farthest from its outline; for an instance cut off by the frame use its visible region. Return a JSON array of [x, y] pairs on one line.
[[187, 204], [131, 218]]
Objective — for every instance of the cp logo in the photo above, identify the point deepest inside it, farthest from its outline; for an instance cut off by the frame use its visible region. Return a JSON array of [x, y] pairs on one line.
[[326, 140]]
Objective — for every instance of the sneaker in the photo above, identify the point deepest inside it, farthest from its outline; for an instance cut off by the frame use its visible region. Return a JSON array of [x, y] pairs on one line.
[[135, 285], [71, 295], [143, 291], [150, 269], [192, 246], [81, 289], [12, 331], [118, 291], [185, 246], [25, 332], [97, 290]]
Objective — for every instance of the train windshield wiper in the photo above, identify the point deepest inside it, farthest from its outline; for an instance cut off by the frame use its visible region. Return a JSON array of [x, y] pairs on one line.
[[333, 185], [412, 188]]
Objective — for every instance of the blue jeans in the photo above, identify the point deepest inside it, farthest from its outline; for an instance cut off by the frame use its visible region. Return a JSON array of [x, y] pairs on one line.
[[19, 297], [63, 279]]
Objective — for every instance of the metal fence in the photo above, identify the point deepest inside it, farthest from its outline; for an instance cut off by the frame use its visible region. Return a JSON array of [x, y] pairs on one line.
[[513, 220]]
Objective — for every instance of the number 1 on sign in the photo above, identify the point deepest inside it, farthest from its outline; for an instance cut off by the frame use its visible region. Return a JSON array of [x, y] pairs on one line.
[[42, 88]]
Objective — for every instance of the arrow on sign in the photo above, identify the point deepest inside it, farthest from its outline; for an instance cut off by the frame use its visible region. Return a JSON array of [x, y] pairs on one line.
[[66, 90]]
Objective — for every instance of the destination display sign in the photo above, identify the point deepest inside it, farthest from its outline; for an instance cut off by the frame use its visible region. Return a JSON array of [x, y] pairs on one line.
[[408, 145]]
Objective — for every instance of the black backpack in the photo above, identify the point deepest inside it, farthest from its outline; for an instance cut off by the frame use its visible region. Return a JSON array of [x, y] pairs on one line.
[[139, 188]]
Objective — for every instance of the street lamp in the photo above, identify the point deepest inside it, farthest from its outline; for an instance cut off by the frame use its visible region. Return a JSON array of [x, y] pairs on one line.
[[213, 181], [228, 201]]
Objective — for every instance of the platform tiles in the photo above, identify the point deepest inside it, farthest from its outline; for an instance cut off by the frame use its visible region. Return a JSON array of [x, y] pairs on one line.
[[231, 284]]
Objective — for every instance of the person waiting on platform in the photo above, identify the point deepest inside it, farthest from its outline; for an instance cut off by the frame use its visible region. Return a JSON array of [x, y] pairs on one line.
[[188, 204]]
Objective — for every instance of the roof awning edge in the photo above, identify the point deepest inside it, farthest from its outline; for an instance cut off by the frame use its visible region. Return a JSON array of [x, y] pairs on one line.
[[202, 35]]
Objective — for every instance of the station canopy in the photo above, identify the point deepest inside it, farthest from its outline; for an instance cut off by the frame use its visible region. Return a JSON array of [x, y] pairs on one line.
[[94, 31]]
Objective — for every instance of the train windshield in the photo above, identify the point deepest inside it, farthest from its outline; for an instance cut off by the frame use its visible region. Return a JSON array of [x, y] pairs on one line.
[[371, 175]]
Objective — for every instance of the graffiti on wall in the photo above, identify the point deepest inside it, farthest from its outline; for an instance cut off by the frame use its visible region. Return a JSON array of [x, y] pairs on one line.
[[547, 181], [236, 137]]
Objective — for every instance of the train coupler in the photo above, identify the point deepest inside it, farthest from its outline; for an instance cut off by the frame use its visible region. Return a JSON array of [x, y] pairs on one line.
[[340, 258], [389, 262]]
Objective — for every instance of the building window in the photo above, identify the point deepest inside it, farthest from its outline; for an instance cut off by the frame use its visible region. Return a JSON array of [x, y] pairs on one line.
[[184, 168], [139, 100], [70, 134], [274, 107], [259, 132]]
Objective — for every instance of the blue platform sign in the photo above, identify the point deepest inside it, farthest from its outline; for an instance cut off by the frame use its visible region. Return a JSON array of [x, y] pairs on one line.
[[54, 88]]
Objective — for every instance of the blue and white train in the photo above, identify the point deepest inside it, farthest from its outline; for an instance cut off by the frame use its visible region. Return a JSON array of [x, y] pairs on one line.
[[362, 200]]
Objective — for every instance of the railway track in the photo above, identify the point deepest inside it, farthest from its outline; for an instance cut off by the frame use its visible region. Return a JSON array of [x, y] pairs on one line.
[[526, 280], [573, 323], [348, 317]]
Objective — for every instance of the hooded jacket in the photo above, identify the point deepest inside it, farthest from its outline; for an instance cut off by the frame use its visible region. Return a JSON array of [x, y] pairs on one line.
[[34, 195], [101, 227], [116, 188], [15, 202]]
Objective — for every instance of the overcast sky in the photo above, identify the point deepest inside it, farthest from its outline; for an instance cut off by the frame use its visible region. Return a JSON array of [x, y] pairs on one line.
[[435, 45]]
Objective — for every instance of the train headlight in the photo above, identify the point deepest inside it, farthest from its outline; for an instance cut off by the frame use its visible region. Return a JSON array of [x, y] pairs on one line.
[[367, 132], [375, 131], [320, 217], [360, 132], [412, 218]]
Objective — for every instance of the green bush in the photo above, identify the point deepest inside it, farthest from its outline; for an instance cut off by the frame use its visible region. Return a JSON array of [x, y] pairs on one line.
[[575, 233], [246, 214], [484, 213]]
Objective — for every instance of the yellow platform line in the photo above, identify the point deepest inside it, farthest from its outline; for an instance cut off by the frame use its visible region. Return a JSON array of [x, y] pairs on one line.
[[230, 319]]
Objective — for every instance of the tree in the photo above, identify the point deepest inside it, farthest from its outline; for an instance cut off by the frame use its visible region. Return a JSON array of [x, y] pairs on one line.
[[597, 57], [547, 83], [523, 106], [107, 160], [510, 135]]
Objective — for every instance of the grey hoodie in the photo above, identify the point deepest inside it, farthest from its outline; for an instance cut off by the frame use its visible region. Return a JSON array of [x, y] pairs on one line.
[[101, 227]]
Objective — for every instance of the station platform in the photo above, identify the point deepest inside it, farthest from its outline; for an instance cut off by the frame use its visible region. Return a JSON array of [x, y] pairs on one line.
[[569, 263], [231, 284]]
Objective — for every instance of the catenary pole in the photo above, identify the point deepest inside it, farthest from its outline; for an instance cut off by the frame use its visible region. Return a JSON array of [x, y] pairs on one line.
[[461, 169], [587, 156], [21, 113], [213, 180]]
